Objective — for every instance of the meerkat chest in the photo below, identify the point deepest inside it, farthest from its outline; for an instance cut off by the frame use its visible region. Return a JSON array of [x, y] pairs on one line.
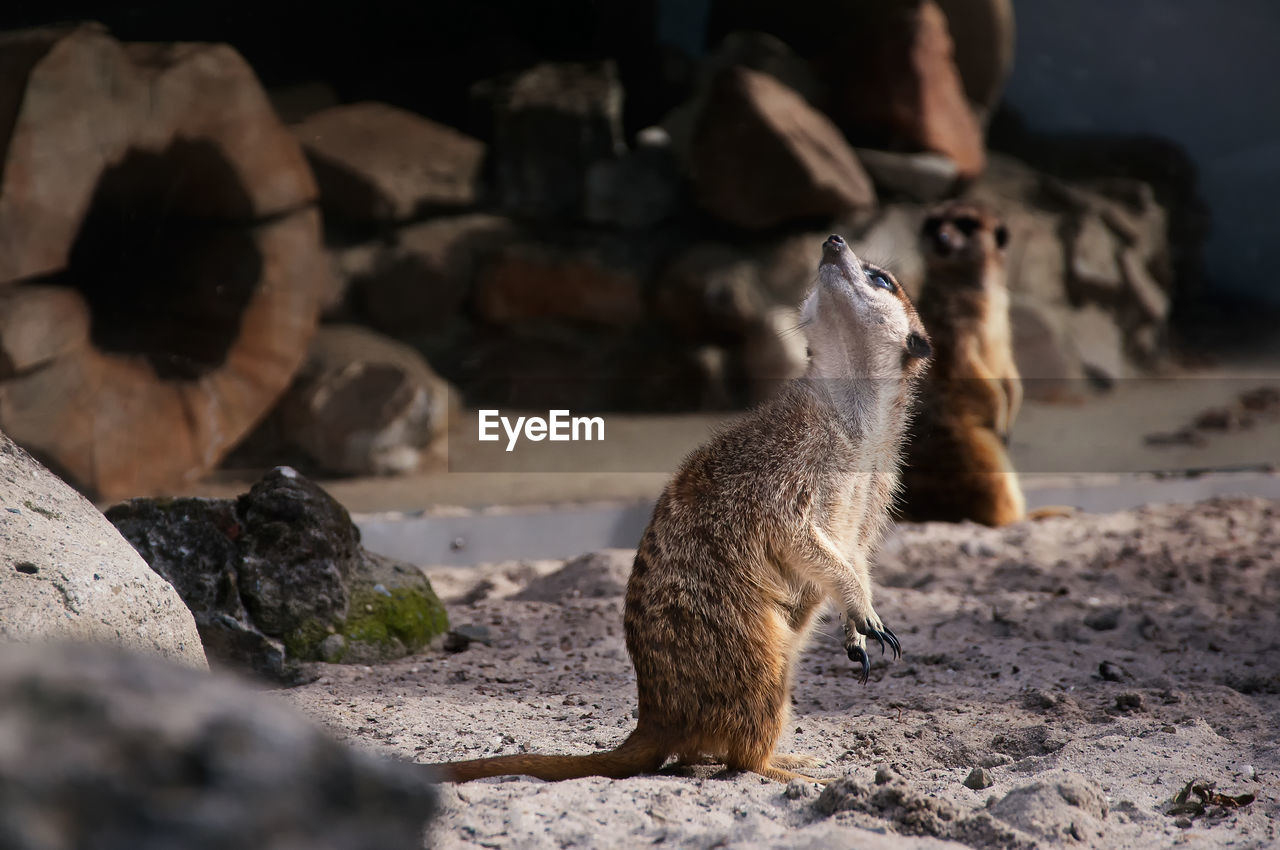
[[850, 509]]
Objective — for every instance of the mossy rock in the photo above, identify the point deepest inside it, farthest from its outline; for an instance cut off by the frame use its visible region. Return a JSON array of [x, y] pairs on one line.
[[393, 612]]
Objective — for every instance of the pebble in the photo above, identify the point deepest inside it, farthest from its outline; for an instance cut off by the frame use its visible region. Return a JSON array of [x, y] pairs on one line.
[[798, 789], [978, 779], [1111, 672]]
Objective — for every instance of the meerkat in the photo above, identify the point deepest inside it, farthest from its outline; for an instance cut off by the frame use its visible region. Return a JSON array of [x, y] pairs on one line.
[[777, 513], [957, 465]]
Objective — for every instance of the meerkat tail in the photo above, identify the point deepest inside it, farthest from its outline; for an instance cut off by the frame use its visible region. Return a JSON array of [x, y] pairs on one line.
[[638, 754]]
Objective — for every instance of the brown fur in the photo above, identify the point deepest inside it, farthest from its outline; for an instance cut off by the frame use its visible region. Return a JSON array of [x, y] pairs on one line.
[[776, 514], [957, 466]]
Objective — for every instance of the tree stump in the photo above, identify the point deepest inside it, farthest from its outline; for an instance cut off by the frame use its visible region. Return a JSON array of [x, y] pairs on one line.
[[160, 256]]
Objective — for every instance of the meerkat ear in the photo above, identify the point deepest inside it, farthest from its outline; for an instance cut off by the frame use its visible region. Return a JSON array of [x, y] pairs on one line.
[[1002, 236], [918, 345]]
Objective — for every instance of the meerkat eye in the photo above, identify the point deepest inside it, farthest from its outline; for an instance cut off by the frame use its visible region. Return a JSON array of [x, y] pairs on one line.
[[1002, 236], [968, 226], [879, 279]]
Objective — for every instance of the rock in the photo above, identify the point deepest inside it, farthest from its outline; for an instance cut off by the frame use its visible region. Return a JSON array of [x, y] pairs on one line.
[[551, 123], [1100, 343], [905, 88], [751, 49], [798, 789], [1094, 265], [915, 176], [66, 574], [586, 369], [886, 774], [363, 404], [593, 280], [1143, 287], [1104, 619], [641, 189], [272, 574], [591, 576], [1130, 701], [711, 292], [978, 779], [902, 91], [1044, 351], [421, 278], [458, 639], [188, 235], [378, 163], [982, 32], [113, 751], [761, 156], [1062, 808]]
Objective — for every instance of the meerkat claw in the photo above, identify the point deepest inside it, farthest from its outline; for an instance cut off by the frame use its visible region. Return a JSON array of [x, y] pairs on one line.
[[881, 636], [893, 641], [858, 655]]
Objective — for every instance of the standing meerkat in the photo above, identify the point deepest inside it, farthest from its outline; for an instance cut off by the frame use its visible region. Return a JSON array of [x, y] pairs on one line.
[[957, 466], [777, 513]]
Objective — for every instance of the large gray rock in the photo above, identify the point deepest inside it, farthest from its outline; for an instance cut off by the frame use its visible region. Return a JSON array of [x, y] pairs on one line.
[[278, 576], [106, 750], [65, 573]]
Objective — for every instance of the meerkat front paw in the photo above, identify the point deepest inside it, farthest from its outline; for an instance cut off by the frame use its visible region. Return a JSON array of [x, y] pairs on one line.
[[858, 629]]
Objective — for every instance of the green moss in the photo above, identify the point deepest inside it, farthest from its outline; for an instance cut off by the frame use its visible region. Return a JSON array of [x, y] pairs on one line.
[[303, 643], [412, 616]]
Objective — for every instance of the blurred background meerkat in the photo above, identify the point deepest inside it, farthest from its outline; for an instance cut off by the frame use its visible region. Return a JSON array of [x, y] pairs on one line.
[[957, 465]]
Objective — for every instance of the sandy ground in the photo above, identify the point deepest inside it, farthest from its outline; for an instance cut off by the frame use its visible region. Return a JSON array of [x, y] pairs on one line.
[[1093, 665]]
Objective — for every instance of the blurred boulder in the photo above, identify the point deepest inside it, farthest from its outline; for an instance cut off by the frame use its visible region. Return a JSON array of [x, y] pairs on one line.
[[188, 238], [591, 576], [272, 575], [363, 404], [551, 124], [66, 574], [113, 751], [887, 70], [913, 176], [586, 278], [421, 276], [983, 34], [378, 163], [761, 156], [638, 190]]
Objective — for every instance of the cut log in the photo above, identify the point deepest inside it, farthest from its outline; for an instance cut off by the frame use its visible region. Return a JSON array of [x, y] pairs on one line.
[[168, 217]]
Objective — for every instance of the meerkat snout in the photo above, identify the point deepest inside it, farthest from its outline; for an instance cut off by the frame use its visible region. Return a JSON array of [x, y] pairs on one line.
[[859, 308]]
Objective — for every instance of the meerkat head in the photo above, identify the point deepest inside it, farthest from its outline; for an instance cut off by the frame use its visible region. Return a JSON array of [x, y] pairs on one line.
[[858, 319], [963, 236]]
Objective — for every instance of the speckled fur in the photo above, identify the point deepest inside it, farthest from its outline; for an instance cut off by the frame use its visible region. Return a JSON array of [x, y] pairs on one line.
[[777, 513], [957, 464]]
